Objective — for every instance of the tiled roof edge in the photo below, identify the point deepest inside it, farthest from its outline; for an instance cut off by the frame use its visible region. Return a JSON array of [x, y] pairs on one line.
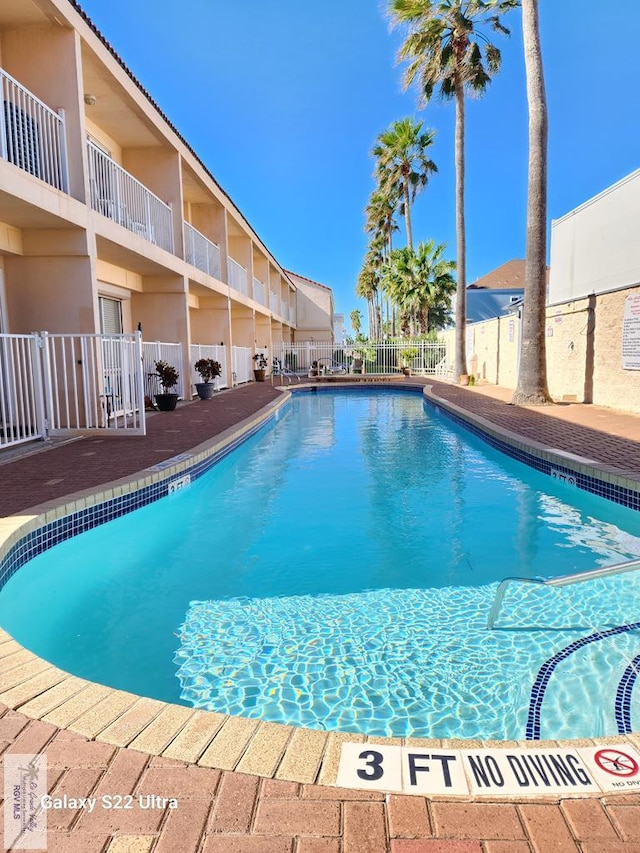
[[310, 280]]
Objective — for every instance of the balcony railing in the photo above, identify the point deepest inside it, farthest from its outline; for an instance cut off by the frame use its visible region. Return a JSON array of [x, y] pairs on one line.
[[273, 302], [258, 291], [201, 252], [121, 197], [238, 277], [32, 136]]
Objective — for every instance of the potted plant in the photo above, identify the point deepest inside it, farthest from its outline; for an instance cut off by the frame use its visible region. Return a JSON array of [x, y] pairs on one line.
[[168, 377], [407, 354], [260, 370], [208, 369]]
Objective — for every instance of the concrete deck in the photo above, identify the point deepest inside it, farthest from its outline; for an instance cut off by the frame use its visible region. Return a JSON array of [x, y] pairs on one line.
[[98, 744]]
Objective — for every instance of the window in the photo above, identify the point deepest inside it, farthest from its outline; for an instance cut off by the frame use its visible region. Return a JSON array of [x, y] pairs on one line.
[[110, 316]]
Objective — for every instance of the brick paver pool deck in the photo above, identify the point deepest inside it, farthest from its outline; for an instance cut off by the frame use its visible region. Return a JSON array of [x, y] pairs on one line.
[[222, 809]]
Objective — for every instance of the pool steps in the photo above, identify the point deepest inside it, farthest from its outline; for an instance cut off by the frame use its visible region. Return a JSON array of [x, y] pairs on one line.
[[563, 580]]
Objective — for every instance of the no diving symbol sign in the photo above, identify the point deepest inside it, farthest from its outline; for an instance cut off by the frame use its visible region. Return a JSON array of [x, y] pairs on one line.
[[616, 762]]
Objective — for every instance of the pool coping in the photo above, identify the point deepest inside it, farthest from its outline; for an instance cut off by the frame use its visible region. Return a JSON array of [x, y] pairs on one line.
[[42, 691]]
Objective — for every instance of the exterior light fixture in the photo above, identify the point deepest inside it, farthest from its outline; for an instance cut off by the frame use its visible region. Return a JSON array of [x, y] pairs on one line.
[[90, 100]]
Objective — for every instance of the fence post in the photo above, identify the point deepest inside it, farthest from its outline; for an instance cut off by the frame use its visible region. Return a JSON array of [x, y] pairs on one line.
[[64, 161], [140, 382]]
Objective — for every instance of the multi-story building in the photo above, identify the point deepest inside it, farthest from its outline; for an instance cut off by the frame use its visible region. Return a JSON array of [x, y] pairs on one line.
[[109, 221], [315, 309]]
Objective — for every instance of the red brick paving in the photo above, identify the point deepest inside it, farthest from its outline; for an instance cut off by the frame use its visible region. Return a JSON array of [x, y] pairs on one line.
[[225, 812]]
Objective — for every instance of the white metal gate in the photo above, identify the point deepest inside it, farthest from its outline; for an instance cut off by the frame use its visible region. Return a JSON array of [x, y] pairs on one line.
[[153, 351], [21, 393], [242, 366], [53, 384], [93, 382]]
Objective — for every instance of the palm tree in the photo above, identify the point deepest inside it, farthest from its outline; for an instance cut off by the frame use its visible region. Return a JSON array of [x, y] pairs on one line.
[[367, 288], [532, 388], [403, 168], [421, 283], [446, 50], [380, 213], [356, 320], [380, 224]]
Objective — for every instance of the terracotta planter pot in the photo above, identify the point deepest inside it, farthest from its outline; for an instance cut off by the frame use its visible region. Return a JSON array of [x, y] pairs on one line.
[[259, 375]]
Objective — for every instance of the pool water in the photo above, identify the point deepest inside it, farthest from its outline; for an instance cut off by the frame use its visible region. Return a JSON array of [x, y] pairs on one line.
[[336, 571]]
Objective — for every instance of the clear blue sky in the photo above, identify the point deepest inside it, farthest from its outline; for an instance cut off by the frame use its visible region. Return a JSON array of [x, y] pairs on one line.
[[283, 101]]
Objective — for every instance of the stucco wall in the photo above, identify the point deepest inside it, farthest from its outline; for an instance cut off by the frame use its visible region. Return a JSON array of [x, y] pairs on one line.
[[595, 247]]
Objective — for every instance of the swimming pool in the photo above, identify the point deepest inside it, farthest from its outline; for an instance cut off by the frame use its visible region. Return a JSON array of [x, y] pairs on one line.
[[336, 571]]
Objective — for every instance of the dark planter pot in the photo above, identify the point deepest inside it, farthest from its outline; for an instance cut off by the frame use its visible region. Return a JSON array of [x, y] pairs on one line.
[[166, 402], [406, 371], [260, 375], [205, 390]]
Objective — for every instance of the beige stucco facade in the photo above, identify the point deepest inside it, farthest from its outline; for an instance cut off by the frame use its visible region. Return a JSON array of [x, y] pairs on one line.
[[315, 310], [101, 197]]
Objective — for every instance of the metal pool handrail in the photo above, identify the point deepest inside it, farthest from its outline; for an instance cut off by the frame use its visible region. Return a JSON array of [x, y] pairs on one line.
[[563, 580]]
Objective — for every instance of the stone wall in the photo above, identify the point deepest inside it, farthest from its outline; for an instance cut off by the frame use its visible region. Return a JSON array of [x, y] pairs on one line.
[[584, 351]]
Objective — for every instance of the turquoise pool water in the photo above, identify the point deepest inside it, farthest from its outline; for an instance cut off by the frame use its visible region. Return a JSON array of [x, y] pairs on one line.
[[336, 571]]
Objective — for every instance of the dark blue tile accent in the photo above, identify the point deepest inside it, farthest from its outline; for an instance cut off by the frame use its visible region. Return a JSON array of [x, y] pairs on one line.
[[546, 670], [51, 534], [623, 696], [610, 491]]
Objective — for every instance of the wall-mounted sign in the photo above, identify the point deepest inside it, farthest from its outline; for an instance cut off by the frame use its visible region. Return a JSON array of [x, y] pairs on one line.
[[631, 333]]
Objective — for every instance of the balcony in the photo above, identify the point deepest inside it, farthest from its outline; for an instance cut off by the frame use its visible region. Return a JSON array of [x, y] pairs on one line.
[[238, 277], [32, 136], [119, 196], [258, 291], [201, 252]]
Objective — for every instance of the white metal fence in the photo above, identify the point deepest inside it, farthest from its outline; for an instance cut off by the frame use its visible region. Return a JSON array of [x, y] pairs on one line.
[[242, 365], [238, 277], [121, 197], [153, 351], [32, 135], [201, 252], [21, 392], [422, 357], [217, 353]]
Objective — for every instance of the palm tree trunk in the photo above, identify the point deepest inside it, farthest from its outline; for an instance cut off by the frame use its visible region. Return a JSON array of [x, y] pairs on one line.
[[407, 215], [460, 366], [532, 386]]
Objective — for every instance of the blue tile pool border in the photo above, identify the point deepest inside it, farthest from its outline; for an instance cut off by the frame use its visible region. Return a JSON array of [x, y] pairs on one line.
[[559, 470], [60, 529]]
